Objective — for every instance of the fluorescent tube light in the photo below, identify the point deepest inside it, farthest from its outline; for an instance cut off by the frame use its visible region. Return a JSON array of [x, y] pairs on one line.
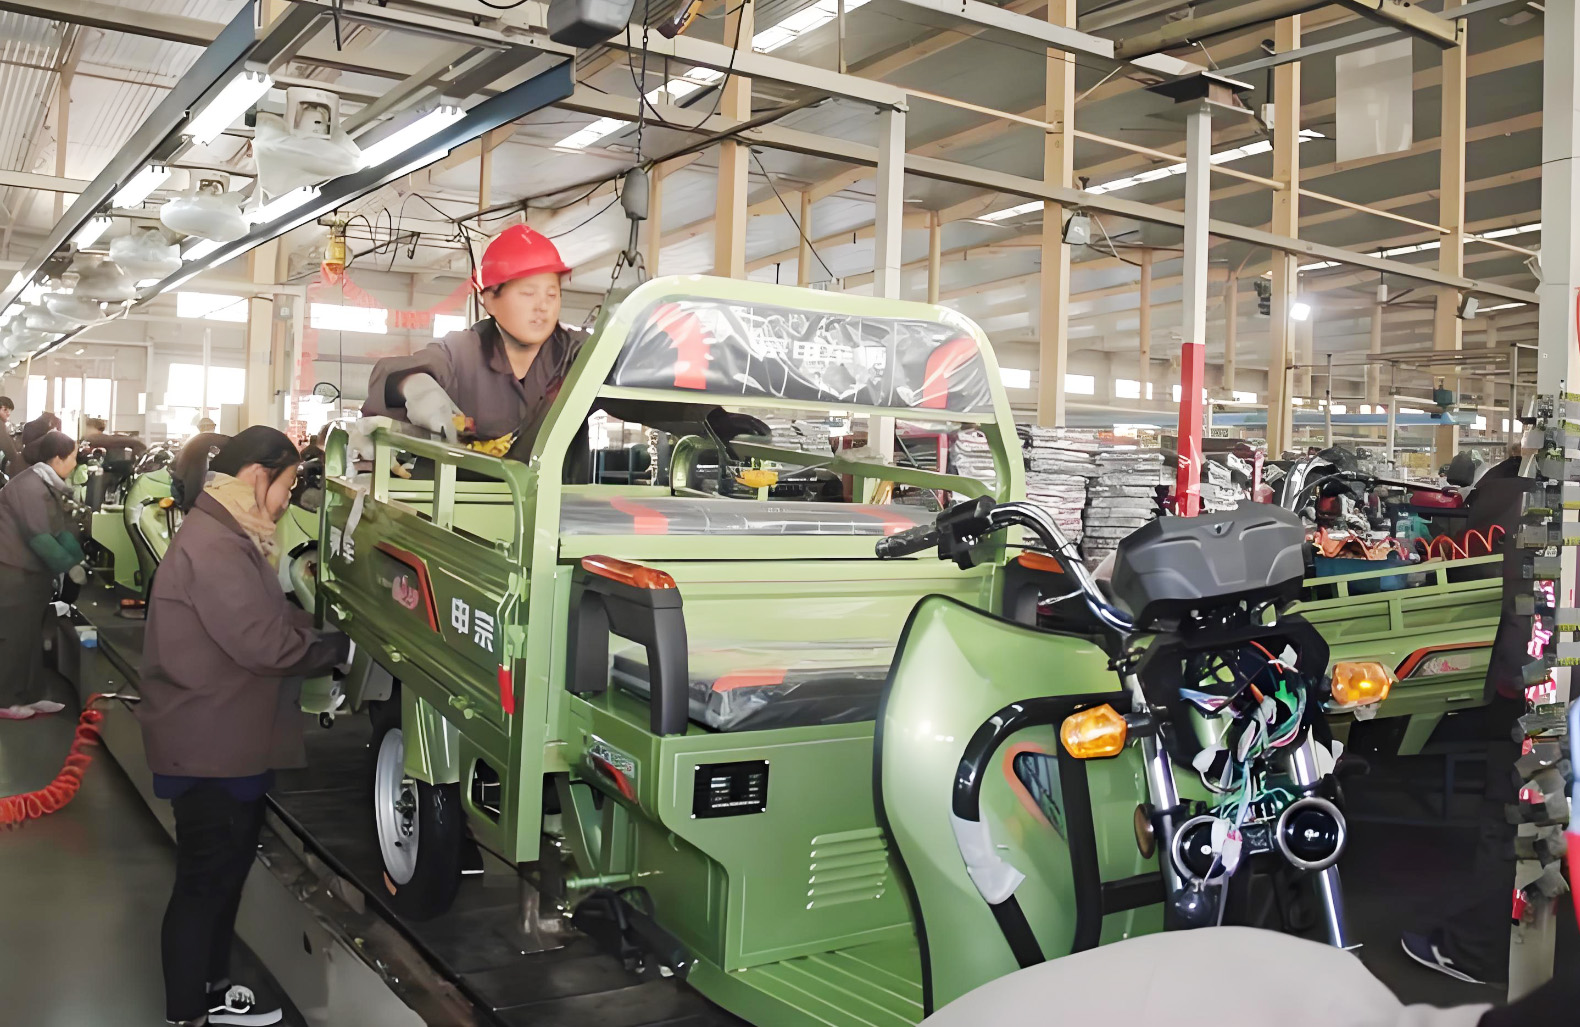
[[89, 233], [140, 186], [585, 137], [240, 93], [201, 249], [398, 142], [282, 204]]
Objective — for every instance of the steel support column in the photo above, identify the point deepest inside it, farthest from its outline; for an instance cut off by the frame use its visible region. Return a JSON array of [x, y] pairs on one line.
[[1374, 368], [1447, 329], [1058, 168], [729, 222], [1193, 368], [1144, 327], [803, 252], [1231, 331], [890, 201], [259, 402], [1557, 362], [1286, 221], [935, 255], [887, 231]]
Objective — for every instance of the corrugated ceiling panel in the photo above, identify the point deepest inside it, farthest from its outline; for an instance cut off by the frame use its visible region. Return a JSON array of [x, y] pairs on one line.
[[28, 47]]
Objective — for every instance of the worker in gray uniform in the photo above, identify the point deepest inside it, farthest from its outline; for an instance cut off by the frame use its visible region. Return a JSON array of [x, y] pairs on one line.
[[503, 373], [37, 544]]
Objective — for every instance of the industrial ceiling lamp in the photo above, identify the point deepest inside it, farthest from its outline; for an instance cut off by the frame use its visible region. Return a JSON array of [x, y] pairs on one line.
[[1300, 310], [232, 102], [408, 138]]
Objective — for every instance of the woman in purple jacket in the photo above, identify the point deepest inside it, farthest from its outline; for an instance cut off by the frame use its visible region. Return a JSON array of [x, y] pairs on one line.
[[223, 658]]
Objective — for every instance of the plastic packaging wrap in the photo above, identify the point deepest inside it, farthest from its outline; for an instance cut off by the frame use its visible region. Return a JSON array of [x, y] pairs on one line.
[[743, 349], [753, 687], [678, 515], [207, 212], [78, 310], [145, 254], [103, 281], [313, 149]]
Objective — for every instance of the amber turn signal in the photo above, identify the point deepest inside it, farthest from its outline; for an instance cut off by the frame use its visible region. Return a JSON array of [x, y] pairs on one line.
[[1360, 684], [626, 572], [1094, 734], [1034, 561], [166, 503]]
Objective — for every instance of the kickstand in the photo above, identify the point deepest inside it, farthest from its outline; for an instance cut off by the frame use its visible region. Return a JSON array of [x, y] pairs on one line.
[[532, 930]]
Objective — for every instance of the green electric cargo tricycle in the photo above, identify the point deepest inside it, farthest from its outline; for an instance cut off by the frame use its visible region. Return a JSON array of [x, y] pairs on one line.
[[661, 700]]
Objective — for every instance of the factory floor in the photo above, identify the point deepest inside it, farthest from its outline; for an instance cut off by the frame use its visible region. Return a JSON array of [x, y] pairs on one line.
[[83, 892]]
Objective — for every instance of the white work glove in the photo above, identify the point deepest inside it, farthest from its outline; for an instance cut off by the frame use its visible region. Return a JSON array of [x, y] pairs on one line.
[[359, 442], [429, 407], [77, 574]]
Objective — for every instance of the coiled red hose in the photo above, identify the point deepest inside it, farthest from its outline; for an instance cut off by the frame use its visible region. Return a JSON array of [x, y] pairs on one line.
[[16, 809]]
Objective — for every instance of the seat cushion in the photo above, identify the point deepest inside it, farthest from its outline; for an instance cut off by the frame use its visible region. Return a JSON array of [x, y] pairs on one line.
[[753, 688]]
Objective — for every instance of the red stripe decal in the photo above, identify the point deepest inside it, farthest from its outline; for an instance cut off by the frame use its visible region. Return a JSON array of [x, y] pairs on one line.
[[941, 363], [645, 520], [748, 679], [413, 561], [892, 523], [690, 343]]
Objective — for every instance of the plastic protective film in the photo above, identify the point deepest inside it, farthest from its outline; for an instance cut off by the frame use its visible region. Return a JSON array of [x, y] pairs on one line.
[[753, 687], [680, 515], [742, 349]]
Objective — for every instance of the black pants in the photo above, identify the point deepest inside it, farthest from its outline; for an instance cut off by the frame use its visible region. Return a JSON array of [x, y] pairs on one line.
[[216, 843], [1476, 931]]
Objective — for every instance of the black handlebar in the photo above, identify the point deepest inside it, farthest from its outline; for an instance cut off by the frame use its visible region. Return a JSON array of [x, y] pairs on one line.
[[904, 543]]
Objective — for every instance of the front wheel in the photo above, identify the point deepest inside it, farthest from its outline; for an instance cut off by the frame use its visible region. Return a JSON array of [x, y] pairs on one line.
[[420, 829]]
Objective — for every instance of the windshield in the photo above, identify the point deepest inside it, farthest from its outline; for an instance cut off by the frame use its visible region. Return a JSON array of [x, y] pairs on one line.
[[738, 348]]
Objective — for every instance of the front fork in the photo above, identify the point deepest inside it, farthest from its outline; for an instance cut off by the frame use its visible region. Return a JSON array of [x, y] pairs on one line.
[[1165, 803], [1303, 771]]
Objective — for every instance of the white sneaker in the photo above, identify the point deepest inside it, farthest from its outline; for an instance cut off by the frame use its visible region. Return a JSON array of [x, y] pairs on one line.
[[240, 1007], [17, 712], [46, 706]]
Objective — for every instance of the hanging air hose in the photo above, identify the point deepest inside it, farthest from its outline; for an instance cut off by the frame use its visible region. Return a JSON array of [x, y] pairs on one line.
[[15, 809]]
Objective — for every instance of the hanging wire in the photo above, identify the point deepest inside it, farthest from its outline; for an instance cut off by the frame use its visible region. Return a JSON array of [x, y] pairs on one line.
[[801, 231]]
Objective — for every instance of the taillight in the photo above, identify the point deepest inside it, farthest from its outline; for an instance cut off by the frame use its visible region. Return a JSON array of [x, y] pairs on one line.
[[626, 573]]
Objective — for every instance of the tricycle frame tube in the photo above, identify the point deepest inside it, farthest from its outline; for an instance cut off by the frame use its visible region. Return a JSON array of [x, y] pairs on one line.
[[1303, 769]]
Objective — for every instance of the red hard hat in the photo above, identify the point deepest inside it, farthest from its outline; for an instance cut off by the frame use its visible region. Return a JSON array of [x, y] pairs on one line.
[[518, 252]]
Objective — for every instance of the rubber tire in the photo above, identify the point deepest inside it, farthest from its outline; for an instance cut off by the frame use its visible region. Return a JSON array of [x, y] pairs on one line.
[[441, 830]]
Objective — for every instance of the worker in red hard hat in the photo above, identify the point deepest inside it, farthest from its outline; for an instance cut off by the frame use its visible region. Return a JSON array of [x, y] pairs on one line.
[[503, 371]]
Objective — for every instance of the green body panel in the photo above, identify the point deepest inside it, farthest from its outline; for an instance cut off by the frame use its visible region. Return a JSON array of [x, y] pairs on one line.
[[958, 667], [108, 529], [1455, 620]]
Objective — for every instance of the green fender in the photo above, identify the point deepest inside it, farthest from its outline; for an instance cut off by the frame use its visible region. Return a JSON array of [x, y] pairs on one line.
[[955, 668]]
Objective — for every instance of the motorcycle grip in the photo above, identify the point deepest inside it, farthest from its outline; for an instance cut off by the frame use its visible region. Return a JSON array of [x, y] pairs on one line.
[[904, 543]]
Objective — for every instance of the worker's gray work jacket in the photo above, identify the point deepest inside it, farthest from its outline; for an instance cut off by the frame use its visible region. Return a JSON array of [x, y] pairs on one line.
[[29, 507], [223, 654], [472, 368]]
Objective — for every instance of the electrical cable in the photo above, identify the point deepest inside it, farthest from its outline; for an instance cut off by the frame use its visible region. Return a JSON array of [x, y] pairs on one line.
[[800, 230], [16, 809], [501, 7], [1113, 251]]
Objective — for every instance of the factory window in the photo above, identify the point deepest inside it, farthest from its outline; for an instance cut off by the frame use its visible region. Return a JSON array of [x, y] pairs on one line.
[[1080, 384], [211, 306], [444, 324], [333, 317], [1480, 423], [96, 398], [1177, 393], [1245, 397], [1129, 388], [37, 395], [1015, 377]]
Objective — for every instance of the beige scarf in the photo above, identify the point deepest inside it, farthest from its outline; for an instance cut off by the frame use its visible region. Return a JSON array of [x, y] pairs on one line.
[[239, 500]]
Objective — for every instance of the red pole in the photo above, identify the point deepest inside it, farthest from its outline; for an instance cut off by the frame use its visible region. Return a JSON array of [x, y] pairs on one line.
[[1187, 481]]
